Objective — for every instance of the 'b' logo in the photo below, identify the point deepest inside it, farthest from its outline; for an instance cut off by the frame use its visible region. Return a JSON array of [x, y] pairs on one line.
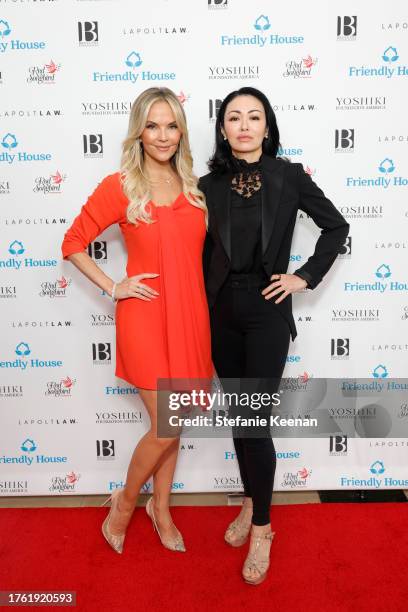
[[214, 107], [338, 444], [98, 250], [88, 32], [347, 27], [214, 4], [101, 352], [105, 449], [345, 249], [93, 145], [344, 140], [340, 348]]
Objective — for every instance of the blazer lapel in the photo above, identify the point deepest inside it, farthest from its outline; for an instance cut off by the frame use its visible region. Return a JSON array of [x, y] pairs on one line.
[[223, 211], [272, 176]]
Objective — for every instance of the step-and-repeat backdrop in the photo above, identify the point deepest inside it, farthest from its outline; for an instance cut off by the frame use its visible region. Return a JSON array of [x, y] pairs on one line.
[[336, 75]]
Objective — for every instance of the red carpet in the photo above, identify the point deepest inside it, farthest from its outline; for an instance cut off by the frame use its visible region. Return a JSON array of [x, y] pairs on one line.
[[325, 557]]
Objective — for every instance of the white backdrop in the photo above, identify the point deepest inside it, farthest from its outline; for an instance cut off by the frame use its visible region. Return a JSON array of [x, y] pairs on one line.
[[335, 73]]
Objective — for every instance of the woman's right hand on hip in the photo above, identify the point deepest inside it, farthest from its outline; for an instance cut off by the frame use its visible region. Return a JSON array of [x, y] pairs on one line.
[[133, 287]]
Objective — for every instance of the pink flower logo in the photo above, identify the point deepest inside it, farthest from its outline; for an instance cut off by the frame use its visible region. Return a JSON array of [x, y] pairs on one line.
[[303, 473], [57, 178], [72, 478], [62, 282], [309, 171], [309, 61], [183, 97], [52, 67], [67, 382]]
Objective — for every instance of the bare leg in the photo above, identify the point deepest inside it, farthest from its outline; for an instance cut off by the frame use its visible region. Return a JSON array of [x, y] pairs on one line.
[[237, 531], [150, 453], [246, 511], [162, 481]]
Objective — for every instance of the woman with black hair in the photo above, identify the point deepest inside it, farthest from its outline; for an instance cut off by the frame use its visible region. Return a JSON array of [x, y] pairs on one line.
[[252, 199]]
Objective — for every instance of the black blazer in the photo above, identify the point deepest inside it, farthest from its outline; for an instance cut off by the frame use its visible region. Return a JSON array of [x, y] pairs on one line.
[[286, 188]]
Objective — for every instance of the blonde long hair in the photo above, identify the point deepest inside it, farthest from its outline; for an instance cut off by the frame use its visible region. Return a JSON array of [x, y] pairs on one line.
[[134, 184]]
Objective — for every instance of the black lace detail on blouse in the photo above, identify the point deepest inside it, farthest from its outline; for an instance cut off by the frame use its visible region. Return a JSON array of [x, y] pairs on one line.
[[247, 178]]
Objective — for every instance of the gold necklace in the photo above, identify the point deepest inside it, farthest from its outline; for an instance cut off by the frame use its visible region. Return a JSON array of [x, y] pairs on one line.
[[167, 181]]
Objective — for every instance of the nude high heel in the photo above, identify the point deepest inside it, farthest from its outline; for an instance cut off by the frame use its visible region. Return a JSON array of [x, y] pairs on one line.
[[237, 532], [115, 541], [177, 544], [255, 561]]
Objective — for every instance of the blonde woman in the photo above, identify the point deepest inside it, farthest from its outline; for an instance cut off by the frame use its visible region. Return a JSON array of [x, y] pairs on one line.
[[162, 323]]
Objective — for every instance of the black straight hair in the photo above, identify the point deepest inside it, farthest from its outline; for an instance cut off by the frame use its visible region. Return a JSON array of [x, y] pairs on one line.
[[223, 160]]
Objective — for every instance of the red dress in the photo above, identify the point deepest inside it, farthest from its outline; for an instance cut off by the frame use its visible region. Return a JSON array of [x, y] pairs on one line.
[[169, 336]]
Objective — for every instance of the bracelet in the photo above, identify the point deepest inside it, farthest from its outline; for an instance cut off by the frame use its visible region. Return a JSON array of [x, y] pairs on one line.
[[113, 293]]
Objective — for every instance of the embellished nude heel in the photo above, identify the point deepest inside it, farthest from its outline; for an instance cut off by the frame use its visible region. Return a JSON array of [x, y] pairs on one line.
[[255, 561], [115, 541], [237, 532], [177, 544]]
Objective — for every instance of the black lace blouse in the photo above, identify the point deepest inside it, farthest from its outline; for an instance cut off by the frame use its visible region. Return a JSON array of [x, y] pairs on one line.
[[246, 219], [246, 244]]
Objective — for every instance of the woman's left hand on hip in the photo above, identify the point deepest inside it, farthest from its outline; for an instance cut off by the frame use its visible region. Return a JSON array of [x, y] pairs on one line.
[[283, 284]]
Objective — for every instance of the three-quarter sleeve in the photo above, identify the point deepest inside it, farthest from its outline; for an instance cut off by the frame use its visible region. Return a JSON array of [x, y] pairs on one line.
[[105, 206]]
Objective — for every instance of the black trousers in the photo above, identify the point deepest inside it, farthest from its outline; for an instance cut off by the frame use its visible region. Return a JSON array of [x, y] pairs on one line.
[[250, 339]]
